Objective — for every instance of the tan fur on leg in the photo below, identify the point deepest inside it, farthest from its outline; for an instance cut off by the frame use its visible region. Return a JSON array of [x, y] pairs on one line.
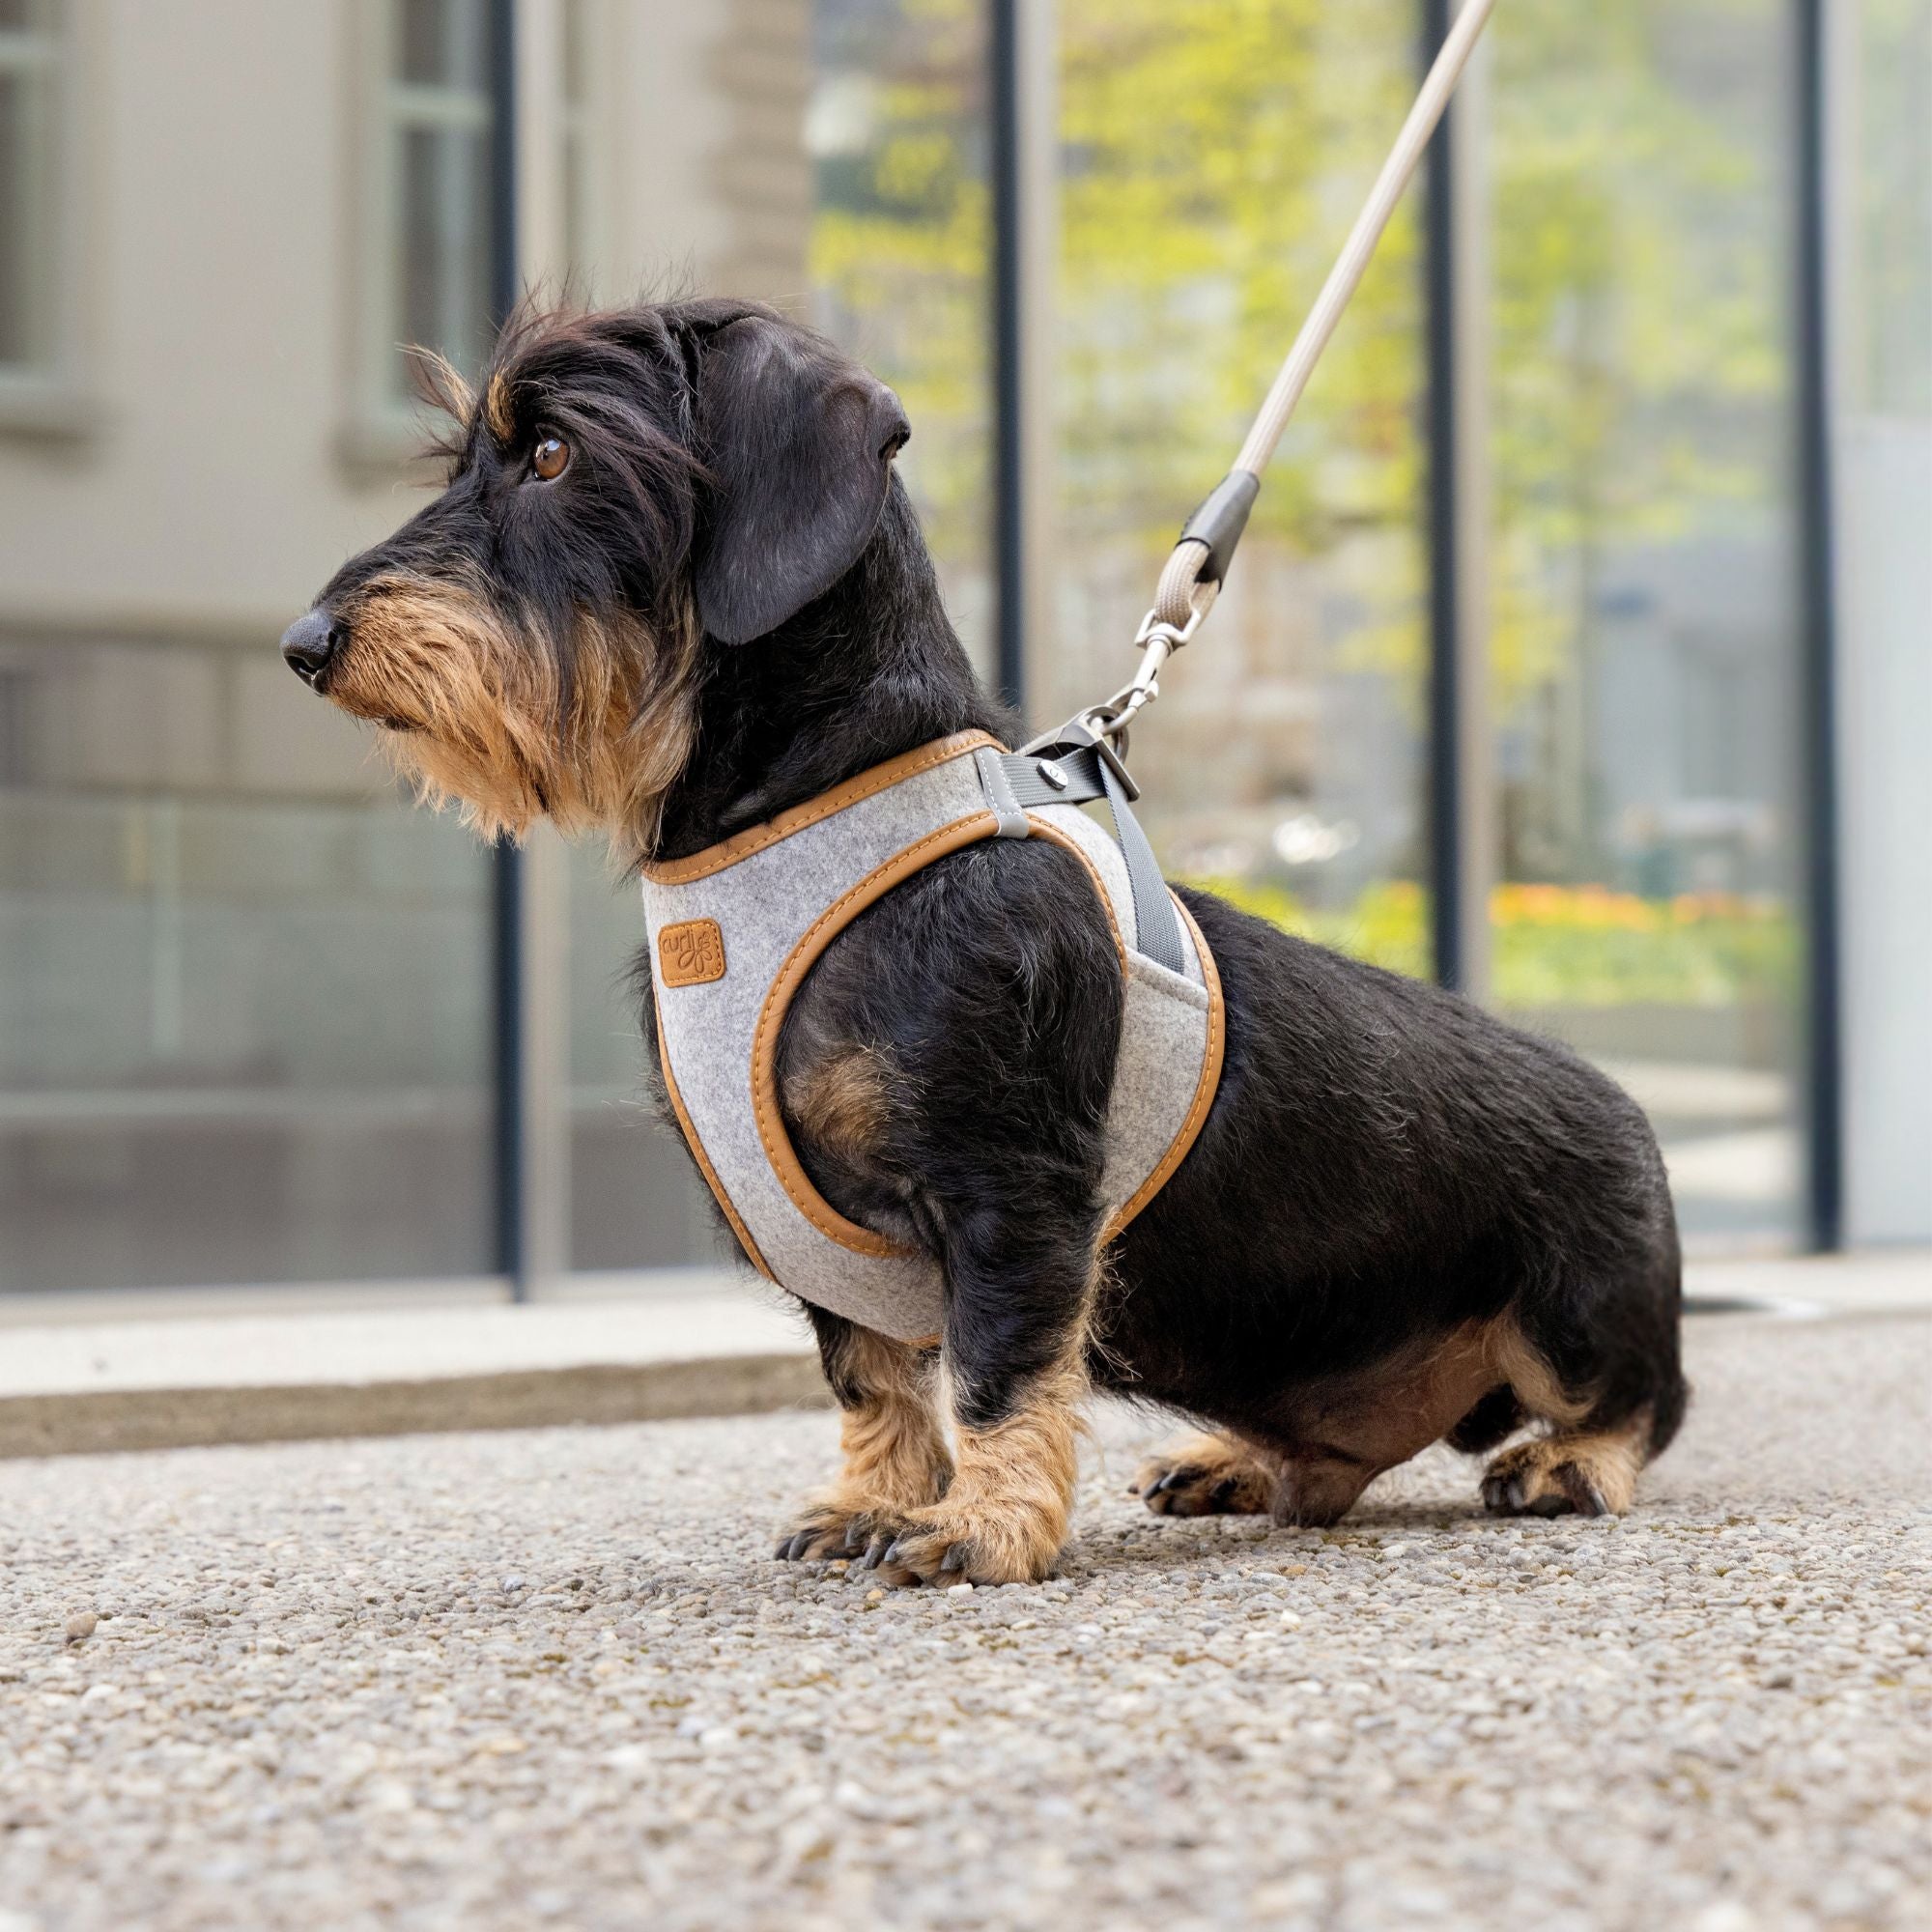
[[1518, 1363], [1005, 1516], [895, 1454], [840, 1101], [1208, 1475], [1591, 1471]]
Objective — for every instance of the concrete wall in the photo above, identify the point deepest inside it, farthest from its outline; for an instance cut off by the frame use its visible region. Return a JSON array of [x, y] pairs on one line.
[[220, 457]]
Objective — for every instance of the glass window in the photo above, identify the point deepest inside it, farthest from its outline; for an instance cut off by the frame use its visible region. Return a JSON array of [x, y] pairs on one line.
[[437, 240], [1644, 657], [894, 129], [28, 49], [1200, 212], [242, 1020], [245, 999], [1882, 456]]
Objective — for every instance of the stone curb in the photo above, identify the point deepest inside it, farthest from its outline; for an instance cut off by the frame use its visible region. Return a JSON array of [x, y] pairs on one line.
[[99, 1421]]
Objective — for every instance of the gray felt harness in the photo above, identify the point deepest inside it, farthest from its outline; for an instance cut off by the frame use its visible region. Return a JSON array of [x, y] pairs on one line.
[[735, 930]]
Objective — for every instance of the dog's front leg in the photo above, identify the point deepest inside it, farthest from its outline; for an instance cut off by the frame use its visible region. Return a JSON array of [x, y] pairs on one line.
[[894, 1450], [1014, 1376]]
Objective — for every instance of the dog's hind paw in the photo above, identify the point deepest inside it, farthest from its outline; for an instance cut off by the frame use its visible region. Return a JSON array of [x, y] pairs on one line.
[[1588, 1473], [1212, 1475]]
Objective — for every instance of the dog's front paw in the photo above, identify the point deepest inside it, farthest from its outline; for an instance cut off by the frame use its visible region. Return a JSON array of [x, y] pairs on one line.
[[963, 1544], [1212, 1475]]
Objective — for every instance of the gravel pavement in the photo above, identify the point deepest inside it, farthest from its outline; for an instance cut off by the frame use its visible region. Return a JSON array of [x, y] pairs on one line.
[[554, 1678]]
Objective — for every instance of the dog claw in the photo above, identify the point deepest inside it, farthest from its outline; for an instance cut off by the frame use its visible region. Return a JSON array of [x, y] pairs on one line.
[[1504, 1495], [955, 1557], [1571, 1490], [1176, 1478]]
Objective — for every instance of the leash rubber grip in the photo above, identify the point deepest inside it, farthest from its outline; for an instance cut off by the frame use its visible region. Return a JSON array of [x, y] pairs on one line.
[[1220, 519]]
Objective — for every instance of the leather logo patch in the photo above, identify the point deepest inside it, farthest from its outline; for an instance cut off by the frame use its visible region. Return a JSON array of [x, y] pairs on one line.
[[691, 954]]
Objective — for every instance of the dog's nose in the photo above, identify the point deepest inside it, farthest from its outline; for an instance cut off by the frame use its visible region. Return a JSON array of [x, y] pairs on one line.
[[308, 644]]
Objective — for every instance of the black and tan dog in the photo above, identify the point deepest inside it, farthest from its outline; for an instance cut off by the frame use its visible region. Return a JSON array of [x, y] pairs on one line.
[[1402, 1220]]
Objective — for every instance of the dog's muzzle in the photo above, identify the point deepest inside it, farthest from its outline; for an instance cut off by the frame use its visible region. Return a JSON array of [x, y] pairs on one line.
[[309, 644]]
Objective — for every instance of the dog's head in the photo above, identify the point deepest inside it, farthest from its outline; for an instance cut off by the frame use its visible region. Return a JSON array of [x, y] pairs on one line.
[[627, 492]]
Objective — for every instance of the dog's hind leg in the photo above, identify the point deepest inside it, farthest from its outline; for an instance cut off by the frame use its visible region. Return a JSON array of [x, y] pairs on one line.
[[1209, 1475], [894, 1448], [1598, 1365], [1588, 1459]]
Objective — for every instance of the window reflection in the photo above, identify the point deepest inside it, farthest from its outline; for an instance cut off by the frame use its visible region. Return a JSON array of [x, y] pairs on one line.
[[438, 106], [28, 53], [1198, 221], [1644, 655]]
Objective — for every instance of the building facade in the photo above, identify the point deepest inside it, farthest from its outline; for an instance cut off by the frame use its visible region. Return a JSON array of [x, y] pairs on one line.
[[261, 1019]]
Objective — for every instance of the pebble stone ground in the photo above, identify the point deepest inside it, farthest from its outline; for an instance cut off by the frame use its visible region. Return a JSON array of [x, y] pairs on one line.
[[554, 1678]]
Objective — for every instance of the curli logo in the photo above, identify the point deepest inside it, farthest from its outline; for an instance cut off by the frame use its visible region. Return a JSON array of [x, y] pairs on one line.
[[691, 954]]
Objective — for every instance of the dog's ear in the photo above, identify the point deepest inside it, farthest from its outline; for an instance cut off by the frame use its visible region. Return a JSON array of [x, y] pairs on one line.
[[800, 446]]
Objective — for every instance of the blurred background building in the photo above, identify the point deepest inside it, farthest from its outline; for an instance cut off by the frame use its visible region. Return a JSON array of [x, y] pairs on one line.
[[1578, 652]]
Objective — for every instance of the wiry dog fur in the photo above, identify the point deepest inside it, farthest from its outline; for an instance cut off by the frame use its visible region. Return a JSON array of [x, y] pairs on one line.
[[1402, 1220]]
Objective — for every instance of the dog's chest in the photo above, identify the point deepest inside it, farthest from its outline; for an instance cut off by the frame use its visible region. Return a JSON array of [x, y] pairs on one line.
[[735, 930]]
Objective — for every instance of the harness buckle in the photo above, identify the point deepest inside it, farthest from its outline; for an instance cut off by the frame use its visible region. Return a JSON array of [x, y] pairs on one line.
[[1080, 733]]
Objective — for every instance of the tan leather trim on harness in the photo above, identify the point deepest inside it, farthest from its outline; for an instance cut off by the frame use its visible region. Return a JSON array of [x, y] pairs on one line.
[[1203, 1092], [755, 837], [827, 928], [765, 1013]]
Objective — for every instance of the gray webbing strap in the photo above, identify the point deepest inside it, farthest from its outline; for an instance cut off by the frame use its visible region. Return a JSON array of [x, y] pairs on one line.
[[1090, 776], [1007, 808]]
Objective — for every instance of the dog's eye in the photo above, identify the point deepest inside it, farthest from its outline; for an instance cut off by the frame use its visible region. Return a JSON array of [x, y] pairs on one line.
[[550, 458]]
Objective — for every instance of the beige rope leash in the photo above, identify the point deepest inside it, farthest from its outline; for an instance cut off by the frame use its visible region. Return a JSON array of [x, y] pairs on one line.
[[1191, 578]]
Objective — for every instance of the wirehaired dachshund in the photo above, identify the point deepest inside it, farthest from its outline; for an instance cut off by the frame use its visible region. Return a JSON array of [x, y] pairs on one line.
[[675, 586]]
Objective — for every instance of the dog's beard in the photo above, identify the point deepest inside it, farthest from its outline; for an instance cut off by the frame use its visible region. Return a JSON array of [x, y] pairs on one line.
[[474, 714]]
